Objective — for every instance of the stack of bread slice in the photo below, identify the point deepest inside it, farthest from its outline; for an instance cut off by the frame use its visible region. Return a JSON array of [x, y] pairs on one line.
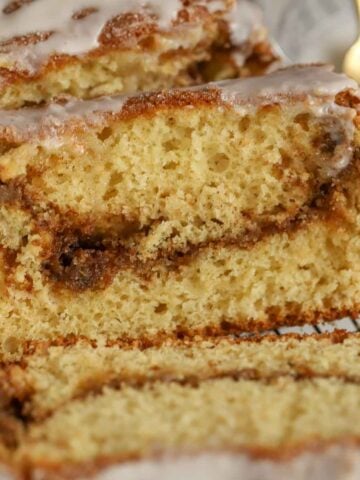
[[140, 231], [207, 408]]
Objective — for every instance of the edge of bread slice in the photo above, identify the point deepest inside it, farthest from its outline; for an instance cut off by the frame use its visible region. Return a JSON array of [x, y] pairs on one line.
[[271, 398]]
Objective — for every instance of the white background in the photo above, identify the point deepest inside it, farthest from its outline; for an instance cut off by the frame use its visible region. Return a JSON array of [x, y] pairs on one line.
[[312, 30]]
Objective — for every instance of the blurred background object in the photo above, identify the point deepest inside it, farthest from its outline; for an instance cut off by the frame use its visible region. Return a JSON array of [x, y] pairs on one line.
[[312, 30], [351, 65]]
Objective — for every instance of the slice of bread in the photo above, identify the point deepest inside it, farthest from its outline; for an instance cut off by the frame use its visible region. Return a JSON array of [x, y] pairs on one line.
[[50, 376], [182, 212], [97, 48], [79, 408]]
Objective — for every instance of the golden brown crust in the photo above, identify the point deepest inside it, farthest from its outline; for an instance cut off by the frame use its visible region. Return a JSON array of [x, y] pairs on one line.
[[226, 327], [38, 347], [33, 347]]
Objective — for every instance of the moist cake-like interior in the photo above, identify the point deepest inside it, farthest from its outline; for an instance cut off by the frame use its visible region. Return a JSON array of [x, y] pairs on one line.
[[181, 212], [269, 397], [88, 49]]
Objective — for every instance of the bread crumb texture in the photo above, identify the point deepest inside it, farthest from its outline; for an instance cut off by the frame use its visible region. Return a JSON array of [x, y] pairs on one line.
[[215, 414], [83, 406], [52, 376]]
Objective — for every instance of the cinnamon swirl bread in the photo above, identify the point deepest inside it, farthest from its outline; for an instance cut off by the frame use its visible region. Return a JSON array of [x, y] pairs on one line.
[[228, 207]]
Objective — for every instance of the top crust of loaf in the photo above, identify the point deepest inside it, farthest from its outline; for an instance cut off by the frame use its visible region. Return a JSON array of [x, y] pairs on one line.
[[97, 30], [102, 48], [122, 26], [315, 85]]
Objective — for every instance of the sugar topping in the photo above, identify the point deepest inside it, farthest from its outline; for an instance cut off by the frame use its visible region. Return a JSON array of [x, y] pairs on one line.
[[317, 86], [58, 17]]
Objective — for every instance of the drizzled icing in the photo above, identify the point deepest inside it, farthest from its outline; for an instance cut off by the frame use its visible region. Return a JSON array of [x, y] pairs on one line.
[[58, 114], [316, 85], [73, 36], [245, 21], [311, 81], [55, 16]]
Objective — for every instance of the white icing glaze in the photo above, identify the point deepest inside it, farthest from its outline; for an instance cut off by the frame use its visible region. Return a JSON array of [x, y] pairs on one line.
[[246, 25], [71, 36], [317, 87], [57, 114], [75, 37], [246, 21], [309, 81], [216, 5]]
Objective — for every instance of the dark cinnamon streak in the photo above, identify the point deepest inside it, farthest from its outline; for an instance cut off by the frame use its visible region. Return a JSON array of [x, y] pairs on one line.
[[193, 381], [96, 387], [33, 347], [81, 256]]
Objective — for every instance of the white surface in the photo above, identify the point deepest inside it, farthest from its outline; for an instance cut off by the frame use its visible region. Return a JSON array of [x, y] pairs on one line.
[[312, 30], [335, 464]]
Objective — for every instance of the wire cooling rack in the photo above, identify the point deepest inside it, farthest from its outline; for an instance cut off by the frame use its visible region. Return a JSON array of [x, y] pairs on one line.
[[345, 324]]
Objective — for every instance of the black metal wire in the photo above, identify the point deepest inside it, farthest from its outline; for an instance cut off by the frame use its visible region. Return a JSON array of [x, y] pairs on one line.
[[356, 325], [317, 328]]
